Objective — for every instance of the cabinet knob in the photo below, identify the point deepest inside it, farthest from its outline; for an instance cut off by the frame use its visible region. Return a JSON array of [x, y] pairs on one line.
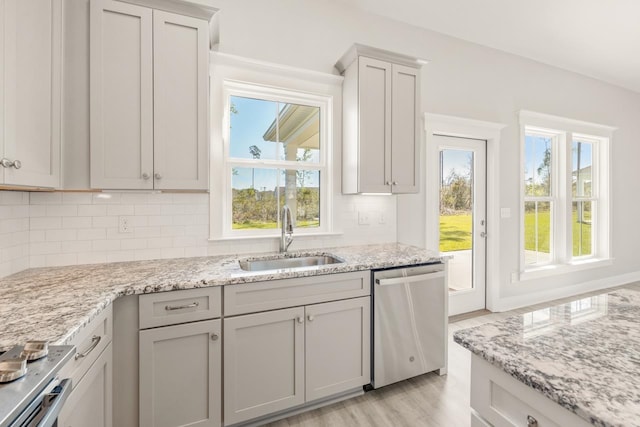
[[310, 318], [157, 176], [531, 422], [387, 183], [145, 176], [17, 164], [6, 163], [214, 337], [394, 183], [300, 319]]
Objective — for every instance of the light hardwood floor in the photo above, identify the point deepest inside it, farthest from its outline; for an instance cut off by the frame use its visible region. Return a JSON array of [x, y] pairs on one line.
[[429, 400]]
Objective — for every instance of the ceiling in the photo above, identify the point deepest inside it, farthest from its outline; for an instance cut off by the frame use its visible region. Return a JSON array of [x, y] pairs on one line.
[[597, 38]]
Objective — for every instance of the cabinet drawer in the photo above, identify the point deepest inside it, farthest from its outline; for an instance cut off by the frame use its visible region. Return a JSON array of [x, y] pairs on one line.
[[502, 401], [90, 343], [271, 295], [170, 308]]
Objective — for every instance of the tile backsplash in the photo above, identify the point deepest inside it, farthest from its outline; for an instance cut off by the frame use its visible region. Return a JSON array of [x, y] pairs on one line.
[[67, 228], [14, 232]]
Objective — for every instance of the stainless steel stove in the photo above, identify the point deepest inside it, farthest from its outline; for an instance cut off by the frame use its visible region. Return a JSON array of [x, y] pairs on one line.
[[31, 394]]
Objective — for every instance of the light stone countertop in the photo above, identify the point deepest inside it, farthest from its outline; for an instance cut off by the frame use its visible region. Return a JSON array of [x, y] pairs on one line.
[[583, 355], [55, 303]]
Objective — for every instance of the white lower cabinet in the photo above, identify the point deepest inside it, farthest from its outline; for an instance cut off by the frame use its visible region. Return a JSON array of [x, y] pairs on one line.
[[89, 404], [284, 358], [180, 381]]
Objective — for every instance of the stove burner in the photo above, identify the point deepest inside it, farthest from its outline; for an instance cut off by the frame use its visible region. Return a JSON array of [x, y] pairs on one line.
[[34, 350], [12, 369]]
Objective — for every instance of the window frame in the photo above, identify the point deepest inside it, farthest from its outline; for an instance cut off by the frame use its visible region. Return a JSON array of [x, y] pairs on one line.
[[232, 88], [565, 131]]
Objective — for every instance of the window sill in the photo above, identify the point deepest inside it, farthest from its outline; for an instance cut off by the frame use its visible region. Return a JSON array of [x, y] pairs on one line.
[[558, 269], [275, 236]]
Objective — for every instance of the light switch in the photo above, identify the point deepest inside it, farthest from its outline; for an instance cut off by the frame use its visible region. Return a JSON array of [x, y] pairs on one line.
[[363, 218], [505, 212]]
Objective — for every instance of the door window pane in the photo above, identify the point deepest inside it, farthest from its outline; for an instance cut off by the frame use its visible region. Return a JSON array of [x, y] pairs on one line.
[[537, 165], [581, 225], [537, 232]]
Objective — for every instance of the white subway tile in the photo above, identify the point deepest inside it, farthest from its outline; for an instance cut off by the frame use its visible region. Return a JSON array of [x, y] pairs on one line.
[[146, 209], [77, 222], [106, 245], [37, 261], [37, 235], [195, 251], [119, 256], [138, 221], [61, 235], [173, 230], [76, 246], [61, 259], [45, 198], [134, 244], [105, 221], [92, 210], [119, 210], [62, 210], [197, 230], [187, 241], [45, 223], [76, 198], [145, 254], [45, 248], [106, 198], [10, 225], [159, 242], [114, 234], [134, 198], [160, 198], [145, 232], [159, 220], [19, 211], [172, 253], [92, 258], [92, 234], [172, 209]]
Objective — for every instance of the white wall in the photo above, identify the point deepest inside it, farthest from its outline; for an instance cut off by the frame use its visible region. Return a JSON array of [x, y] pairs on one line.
[[467, 80]]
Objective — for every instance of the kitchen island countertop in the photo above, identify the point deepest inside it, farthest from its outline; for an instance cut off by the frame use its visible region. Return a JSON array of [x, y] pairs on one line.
[[583, 355], [54, 303]]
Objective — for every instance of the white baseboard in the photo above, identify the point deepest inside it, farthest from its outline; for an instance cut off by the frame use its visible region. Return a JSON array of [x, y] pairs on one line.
[[518, 301]]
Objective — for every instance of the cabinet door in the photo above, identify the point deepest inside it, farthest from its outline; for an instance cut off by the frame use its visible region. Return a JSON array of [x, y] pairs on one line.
[[337, 347], [405, 147], [89, 404], [374, 103], [31, 42], [180, 375], [181, 91], [263, 363], [121, 75]]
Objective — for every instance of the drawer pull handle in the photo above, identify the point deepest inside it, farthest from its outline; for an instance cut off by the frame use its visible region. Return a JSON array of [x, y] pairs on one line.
[[95, 340], [531, 422], [181, 307]]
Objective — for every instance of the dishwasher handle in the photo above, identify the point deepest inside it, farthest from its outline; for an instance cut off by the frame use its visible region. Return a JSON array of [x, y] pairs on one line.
[[409, 279]]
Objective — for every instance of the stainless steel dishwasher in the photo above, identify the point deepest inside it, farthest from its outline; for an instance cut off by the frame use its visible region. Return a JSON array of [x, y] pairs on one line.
[[410, 323]]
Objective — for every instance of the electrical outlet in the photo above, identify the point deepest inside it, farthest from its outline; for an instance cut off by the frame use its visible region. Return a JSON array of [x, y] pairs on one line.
[[381, 218], [363, 218], [124, 225]]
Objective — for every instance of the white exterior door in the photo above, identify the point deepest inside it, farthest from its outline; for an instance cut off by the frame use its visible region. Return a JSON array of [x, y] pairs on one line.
[[462, 218]]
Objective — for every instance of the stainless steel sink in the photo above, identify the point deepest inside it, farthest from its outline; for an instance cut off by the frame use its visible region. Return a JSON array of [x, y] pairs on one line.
[[286, 263]]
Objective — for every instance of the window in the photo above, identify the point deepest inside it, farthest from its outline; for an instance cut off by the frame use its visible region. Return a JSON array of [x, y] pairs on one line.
[[276, 153], [565, 208]]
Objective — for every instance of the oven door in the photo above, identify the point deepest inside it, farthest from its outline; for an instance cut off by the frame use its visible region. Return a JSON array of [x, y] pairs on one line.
[[44, 409]]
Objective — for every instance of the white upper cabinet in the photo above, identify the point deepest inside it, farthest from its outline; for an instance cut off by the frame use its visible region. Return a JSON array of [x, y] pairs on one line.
[[149, 92], [381, 139], [30, 72]]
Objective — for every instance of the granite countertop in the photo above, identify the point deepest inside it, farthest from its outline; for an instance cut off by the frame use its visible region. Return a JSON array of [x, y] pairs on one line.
[[583, 355], [55, 303]]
